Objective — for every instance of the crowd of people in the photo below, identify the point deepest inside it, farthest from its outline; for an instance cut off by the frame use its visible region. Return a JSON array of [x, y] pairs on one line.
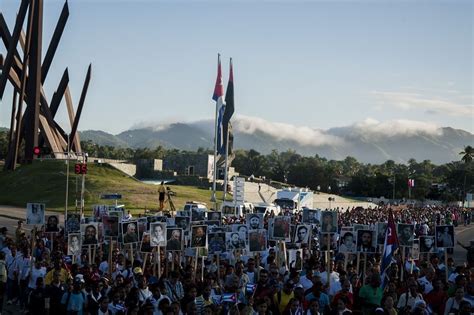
[[38, 276]]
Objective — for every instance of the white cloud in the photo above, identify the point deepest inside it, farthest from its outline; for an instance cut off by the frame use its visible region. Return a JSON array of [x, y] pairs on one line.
[[407, 101], [301, 134], [391, 128]]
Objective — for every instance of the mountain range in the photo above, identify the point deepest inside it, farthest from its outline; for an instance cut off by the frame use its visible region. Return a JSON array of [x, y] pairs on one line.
[[369, 141]]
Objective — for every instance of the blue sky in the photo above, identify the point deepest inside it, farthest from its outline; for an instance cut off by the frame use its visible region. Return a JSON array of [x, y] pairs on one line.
[[305, 63]]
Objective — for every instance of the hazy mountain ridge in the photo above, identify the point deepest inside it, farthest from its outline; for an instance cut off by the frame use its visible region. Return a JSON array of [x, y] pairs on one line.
[[440, 147]]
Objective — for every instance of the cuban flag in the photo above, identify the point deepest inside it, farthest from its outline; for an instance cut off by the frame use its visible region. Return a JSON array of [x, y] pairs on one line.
[[250, 287], [389, 247], [218, 96], [411, 183], [229, 297]]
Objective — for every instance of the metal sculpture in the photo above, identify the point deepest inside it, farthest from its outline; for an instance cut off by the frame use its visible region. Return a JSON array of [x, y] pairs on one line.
[[36, 126]]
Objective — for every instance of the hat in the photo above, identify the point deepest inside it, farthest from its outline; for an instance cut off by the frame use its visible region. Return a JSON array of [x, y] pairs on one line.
[[137, 270], [79, 278]]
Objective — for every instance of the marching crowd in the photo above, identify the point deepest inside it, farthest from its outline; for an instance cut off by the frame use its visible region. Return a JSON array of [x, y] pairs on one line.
[[37, 276]]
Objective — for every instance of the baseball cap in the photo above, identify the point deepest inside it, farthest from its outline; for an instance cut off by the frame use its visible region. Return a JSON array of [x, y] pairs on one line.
[[79, 278], [137, 270]]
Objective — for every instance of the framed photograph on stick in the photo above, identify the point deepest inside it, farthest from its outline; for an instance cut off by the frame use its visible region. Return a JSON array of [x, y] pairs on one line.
[[35, 213], [235, 240], [90, 233], [295, 259], [174, 240], [329, 222], [198, 236], [381, 229], [52, 224], [406, 235], [302, 234], [129, 232], [145, 246], [74, 245], [73, 223], [257, 240], [427, 244], [347, 242], [311, 216], [254, 221], [280, 228], [216, 243], [158, 234], [111, 226], [366, 242]]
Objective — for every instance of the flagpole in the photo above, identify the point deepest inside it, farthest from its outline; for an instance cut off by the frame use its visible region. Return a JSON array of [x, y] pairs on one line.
[[213, 198], [226, 165]]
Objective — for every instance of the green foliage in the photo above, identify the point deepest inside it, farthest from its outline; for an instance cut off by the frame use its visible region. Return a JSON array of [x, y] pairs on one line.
[[45, 181], [446, 182]]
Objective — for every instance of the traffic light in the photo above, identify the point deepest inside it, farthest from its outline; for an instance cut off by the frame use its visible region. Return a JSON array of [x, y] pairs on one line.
[[37, 151]]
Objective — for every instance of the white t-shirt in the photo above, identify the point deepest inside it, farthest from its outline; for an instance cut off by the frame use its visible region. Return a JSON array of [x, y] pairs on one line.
[[306, 283], [35, 274], [427, 285], [104, 267]]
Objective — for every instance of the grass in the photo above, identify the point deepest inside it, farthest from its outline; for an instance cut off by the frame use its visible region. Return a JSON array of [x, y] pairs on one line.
[[45, 182]]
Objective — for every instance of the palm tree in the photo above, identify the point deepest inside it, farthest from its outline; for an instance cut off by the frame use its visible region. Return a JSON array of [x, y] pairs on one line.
[[467, 156]]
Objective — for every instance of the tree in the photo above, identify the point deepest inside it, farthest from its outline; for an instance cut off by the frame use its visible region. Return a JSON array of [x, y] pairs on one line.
[[467, 156]]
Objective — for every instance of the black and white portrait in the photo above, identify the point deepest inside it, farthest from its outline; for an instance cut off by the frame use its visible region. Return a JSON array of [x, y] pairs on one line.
[[235, 240], [216, 243], [214, 216], [311, 216], [174, 240], [326, 239], [347, 243], [130, 232], [240, 228], [182, 222], [35, 213], [257, 240], [295, 259], [366, 242], [302, 234], [329, 222], [444, 236], [280, 228], [73, 223], [158, 234], [74, 244], [111, 226], [52, 224], [145, 246], [198, 214], [427, 244], [89, 233], [254, 221], [198, 236], [405, 234]]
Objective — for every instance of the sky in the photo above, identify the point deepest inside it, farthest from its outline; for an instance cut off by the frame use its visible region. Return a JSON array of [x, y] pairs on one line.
[[308, 64]]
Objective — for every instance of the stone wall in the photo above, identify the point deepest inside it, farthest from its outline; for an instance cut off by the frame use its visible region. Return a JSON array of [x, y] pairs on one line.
[[129, 169]]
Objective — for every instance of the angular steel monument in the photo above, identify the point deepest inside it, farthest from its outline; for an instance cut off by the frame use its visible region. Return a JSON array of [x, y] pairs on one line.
[[35, 126]]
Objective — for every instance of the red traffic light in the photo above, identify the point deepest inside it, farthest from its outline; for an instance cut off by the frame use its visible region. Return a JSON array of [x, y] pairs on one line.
[[36, 151]]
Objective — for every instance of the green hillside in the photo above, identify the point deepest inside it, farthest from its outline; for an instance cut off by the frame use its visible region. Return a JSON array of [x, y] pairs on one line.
[[45, 181]]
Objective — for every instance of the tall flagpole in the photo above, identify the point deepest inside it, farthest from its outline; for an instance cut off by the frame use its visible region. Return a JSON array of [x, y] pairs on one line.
[[226, 165], [213, 197]]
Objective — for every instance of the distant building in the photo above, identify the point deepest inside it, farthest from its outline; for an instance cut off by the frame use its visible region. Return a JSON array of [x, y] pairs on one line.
[[190, 164]]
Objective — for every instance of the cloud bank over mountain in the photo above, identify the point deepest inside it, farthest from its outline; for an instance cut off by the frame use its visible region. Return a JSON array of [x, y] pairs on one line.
[[369, 141]]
